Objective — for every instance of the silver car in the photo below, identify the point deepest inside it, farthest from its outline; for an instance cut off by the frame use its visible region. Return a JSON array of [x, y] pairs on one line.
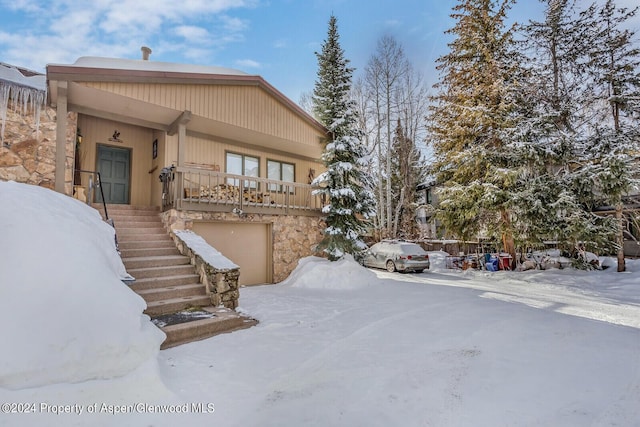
[[394, 255]]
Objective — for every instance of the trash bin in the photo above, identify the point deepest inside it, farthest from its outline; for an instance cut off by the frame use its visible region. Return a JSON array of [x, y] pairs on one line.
[[505, 262], [492, 264]]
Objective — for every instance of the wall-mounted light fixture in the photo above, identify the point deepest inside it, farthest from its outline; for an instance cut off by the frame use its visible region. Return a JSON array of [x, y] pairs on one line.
[[115, 137]]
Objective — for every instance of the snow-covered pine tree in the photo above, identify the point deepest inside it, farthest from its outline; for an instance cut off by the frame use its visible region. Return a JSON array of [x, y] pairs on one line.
[[473, 112], [549, 206], [345, 183], [609, 160]]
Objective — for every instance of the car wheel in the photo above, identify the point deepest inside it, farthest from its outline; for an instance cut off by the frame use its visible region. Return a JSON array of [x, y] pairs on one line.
[[391, 267], [419, 271]]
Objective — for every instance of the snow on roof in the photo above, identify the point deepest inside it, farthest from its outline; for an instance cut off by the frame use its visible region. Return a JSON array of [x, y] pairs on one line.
[[143, 65], [13, 75]]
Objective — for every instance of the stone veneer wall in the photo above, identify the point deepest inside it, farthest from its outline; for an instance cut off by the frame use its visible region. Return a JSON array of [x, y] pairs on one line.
[[221, 283], [30, 158], [293, 236]]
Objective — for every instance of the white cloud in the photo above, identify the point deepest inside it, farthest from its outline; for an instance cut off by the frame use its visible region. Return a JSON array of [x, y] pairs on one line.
[[59, 31], [248, 63], [192, 33]]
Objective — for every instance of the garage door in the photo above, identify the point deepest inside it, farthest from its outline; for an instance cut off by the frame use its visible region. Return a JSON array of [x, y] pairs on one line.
[[246, 244]]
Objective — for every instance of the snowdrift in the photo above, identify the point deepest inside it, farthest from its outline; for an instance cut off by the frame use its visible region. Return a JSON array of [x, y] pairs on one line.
[[319, 273], [66, 316]]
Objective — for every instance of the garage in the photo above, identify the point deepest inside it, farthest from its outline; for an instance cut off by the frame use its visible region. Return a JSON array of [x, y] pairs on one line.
[[246, 244]]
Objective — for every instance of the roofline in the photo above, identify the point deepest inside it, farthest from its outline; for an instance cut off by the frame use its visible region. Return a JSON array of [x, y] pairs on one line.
[[75, 73]]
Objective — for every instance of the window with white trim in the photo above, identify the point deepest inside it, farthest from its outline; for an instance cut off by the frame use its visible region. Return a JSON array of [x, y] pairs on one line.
[[240, 164], [280, 171]]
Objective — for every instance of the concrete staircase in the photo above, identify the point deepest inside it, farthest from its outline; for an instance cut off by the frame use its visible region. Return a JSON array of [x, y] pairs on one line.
[[165, 278]]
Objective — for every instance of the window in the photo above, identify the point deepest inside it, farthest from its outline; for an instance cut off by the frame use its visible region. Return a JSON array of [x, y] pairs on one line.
[[280, 171], [240, 164]]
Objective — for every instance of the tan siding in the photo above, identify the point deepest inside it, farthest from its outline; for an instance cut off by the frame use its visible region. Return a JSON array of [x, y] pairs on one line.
[[244, 106], [158, 164], [210, 153], [139, 140]]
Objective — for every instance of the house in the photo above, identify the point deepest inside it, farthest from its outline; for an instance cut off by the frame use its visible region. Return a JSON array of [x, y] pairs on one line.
[[220, 151]]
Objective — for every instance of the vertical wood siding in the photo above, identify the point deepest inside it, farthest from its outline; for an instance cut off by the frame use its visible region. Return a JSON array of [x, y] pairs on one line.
[[244, 106], [210, 152], [139, 140]]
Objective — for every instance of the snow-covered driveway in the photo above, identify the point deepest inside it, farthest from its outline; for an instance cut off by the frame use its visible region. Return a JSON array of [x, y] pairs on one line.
[[613, 298], [436, 349]]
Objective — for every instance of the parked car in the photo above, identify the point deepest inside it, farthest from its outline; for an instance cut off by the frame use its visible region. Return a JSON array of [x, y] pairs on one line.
[[396, 255]]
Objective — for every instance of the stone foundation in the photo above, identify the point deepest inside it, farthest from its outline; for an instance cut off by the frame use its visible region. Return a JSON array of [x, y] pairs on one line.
[[28, 156], [221, 283], [294, 237]]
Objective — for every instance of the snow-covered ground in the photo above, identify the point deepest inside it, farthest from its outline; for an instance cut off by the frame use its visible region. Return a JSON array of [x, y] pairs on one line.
[[337, 345]]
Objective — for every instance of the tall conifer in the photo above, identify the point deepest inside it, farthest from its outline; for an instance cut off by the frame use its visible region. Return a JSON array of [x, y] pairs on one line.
[[345, 185], [473, 113]]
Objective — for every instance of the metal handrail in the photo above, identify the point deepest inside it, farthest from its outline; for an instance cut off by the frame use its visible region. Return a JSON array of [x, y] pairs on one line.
[[104, 203], [99, 185]]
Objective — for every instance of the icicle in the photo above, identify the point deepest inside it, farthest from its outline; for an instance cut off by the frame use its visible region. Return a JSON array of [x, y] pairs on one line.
[[4, 102], [23, 99]]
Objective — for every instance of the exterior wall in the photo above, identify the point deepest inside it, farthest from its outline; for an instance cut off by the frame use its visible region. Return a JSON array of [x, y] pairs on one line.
[[293, 236], [156, 166], [138, 139], [212, 152], [30, 157], [244, 106]]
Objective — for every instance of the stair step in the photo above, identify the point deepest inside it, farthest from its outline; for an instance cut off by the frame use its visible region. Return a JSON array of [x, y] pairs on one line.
[[165, 281], [151, 237], [173, 270], [155, 261], [172, 292], [127, 208], [146, 244], [164, 278], [124, 231], [138, 215], [145, 240], [148, 252], [156, 308], [225, 321], [134, 223]]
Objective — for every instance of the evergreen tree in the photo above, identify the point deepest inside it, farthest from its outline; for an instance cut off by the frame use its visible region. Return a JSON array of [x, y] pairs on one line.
[[609, 157], [344, 184], [472, 117], [406, 174], [551, 204]]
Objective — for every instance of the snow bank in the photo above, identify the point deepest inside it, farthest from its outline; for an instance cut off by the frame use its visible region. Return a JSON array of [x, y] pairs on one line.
[[319, 273], [66, 316], [208, 253], [437, 260]]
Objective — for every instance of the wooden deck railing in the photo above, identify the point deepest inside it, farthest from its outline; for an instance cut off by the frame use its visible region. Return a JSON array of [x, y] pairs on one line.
[[205, 190]]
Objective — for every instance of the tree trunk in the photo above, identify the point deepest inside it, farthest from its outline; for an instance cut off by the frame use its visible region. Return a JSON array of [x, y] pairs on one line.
[[620, 237], [397, 217], [508, 244]]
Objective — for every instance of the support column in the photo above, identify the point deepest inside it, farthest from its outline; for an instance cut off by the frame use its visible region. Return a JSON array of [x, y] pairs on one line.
[[182, 140], [179, 126], [61, 137]]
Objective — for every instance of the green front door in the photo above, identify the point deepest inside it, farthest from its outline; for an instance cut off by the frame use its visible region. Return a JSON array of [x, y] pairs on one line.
[[114, 165]]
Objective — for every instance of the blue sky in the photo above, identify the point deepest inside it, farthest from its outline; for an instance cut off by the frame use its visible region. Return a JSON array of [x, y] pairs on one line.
[[273, 38]]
